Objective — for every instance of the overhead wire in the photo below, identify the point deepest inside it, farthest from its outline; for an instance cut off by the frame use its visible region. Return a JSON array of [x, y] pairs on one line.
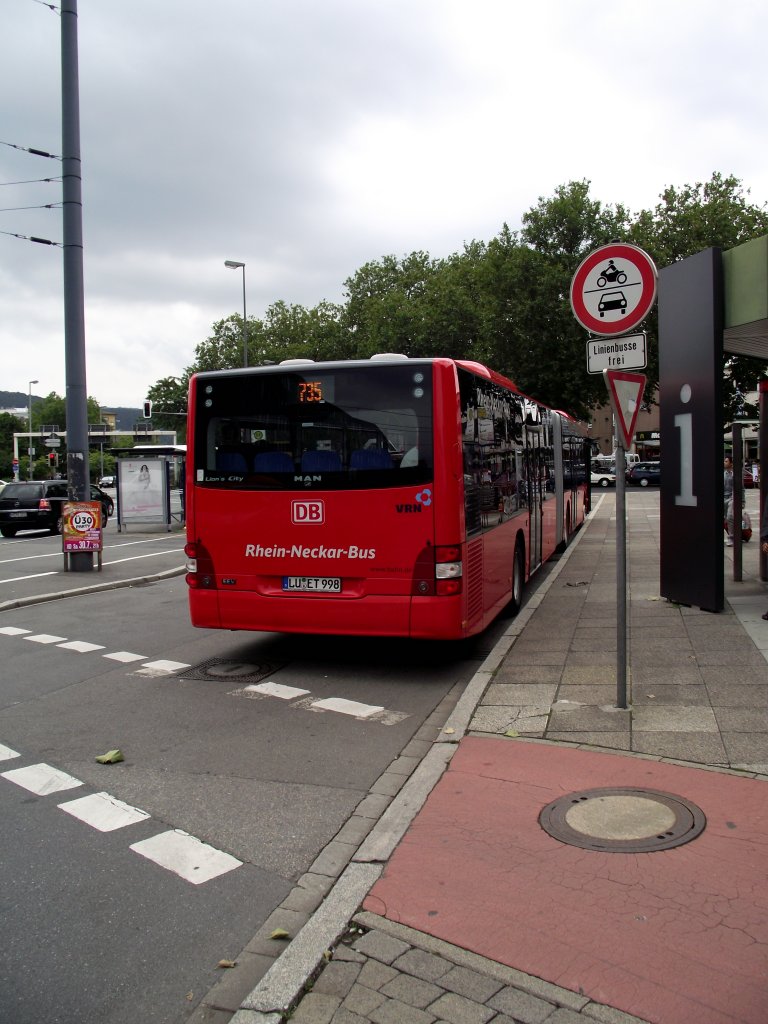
[[31, 181], [45, 206], [32, 238], [30, 149]]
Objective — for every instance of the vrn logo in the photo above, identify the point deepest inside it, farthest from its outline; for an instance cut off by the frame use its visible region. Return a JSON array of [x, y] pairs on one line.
[[310, 513], [422, 499]]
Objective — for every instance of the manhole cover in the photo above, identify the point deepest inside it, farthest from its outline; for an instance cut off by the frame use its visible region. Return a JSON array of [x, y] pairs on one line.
[[623, 820], [239, 671]]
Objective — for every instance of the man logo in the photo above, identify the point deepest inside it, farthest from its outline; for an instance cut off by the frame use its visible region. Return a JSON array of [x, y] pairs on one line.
[[310, 513]]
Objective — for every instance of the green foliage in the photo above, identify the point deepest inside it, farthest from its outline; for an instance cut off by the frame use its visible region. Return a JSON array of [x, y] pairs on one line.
[[53, 410], [686, 221], [504, 302], [9, 425], [169, 404]]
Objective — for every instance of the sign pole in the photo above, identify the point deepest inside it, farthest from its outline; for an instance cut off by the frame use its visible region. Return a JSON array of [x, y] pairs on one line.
[[621, 573], [612, 291], [626, 394]]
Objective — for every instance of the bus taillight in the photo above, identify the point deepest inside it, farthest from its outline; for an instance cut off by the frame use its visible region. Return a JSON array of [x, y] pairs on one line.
[[200, 574], [448, 570]]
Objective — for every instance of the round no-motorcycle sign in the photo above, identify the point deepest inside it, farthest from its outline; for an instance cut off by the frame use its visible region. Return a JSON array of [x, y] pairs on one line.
[[614, 289], [81, 526]]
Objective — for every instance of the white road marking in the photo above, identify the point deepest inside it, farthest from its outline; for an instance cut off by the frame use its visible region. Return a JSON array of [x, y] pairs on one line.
[[81, 646], [346, 707], [45, 638], [42, 779], [32, 576], [191, 859], [6, 754], [276, 690], [134, 558], [103, 812], [29, 558], [161, 667], [124, 656], [13, 630]]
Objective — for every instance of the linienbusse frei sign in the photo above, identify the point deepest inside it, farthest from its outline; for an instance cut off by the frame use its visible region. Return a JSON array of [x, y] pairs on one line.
[[81, 529]]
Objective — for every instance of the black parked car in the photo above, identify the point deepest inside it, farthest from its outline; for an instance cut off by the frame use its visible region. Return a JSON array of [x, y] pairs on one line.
[[645, 474], [37, 505]]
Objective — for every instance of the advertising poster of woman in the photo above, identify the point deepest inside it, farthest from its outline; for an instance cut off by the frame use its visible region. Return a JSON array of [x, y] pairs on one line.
[[143, 489]]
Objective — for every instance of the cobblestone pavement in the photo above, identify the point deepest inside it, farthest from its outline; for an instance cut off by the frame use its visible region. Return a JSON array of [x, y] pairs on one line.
[[384, 973]]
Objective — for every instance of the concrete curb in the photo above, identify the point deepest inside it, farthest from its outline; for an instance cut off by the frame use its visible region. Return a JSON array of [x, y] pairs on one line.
[[136, 581], [278, 989]]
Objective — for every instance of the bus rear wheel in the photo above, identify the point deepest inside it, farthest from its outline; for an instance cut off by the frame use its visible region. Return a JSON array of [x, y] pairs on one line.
[[518, 578]]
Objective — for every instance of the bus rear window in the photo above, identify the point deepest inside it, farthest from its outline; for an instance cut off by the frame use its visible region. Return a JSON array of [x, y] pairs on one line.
[[350, 427]]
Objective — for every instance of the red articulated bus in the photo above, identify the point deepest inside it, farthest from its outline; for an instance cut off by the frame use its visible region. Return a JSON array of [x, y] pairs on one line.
[[383, 497]]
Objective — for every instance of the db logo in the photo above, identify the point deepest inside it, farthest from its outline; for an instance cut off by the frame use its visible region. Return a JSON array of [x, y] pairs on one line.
[[308, 512]]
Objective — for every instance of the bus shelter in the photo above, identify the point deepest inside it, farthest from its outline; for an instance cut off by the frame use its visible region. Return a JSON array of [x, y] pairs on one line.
[[711, 304], [150, 486]]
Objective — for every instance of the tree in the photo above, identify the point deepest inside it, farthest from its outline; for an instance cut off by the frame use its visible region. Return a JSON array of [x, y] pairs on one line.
[[52, 410], [696, 217], [9, 425], [529, 331], [385, 302], [169, 404], [223, 350], [505, 302]]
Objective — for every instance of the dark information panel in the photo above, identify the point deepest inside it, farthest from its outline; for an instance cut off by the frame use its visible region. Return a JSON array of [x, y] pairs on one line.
[[690, 389]]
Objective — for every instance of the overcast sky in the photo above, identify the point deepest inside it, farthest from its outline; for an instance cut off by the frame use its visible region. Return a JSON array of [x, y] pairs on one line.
[[307, 137]]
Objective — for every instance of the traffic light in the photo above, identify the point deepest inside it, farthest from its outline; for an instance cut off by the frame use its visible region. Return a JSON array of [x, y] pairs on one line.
[[51, 459], [147, 410]]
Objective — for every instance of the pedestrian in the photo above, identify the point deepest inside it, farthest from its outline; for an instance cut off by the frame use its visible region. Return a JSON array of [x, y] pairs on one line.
[[727, 499]]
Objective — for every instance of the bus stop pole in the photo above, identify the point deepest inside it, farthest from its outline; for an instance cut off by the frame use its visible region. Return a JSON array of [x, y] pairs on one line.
[[621, 575], [737, 500]]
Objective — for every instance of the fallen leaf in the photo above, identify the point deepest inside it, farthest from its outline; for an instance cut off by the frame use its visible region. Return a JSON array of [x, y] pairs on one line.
[[227, 963], [511, 732], [111, 757], [449, 731], [280, 933]]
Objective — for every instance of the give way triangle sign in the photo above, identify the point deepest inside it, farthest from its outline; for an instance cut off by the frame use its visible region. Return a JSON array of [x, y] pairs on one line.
[[626, 394]]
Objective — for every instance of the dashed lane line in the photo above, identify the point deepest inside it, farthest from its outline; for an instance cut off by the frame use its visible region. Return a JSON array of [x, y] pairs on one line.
[[303, 701], [176, 851], [126, 657], [45, 638], [41, 779], [103, 812], [163, 667], [186, 856], [81, 646], [279, 690], [352, 708]]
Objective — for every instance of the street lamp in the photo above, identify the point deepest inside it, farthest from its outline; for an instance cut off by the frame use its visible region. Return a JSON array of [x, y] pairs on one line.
[[234, 265], [29, 424]]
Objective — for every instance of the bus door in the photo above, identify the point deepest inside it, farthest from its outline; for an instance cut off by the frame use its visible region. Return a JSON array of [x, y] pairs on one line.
[[534, 470]]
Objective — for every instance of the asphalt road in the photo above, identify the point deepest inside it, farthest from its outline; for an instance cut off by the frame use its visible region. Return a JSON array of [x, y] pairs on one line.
[[94, 930]]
